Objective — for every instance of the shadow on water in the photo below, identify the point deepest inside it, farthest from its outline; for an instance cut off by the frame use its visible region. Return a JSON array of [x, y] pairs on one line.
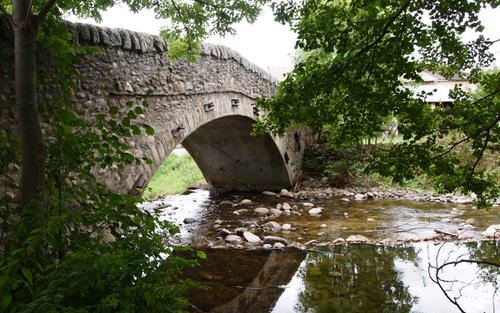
[[349, 278], [242, 281]]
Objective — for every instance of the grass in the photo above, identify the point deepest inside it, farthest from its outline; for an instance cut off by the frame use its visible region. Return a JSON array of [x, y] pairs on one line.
[[174, 176]]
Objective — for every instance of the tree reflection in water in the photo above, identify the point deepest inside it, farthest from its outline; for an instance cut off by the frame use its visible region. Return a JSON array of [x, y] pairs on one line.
[[360, 278]]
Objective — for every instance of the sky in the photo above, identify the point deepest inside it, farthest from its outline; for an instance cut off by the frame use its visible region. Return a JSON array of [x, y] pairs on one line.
[[265, 43]]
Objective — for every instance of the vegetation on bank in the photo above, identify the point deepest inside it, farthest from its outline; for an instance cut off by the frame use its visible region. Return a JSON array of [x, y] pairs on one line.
[[174, 176], [67, 244], [353, 167]]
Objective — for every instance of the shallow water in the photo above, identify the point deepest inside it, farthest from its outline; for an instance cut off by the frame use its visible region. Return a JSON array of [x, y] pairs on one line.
[[337, 278], [375, 219]]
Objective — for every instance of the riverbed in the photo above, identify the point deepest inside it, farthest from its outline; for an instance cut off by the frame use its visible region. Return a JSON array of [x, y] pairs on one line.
[[333, 255]]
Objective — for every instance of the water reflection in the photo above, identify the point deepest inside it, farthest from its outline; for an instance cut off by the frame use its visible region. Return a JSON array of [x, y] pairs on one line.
[[356, 278], [370, 278], [242, 281]]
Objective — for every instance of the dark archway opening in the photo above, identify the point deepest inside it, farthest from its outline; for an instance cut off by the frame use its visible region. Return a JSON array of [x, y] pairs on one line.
[[231, 159]]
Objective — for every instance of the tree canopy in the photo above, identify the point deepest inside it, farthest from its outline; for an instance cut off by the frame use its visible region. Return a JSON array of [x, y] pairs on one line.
[[361, 58]]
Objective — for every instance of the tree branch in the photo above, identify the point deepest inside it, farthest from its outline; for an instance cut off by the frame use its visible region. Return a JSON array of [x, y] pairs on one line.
[[43, 13], [8, 17], [376, 41], [181, 16], [381, 36], [486, 140], [210, 4]]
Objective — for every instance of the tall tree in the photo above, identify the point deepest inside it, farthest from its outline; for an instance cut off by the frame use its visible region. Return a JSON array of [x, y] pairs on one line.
[[191, 22], [361, 59]]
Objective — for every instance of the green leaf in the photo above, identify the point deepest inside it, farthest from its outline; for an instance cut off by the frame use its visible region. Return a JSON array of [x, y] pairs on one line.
[[5, 300], [27, 273], [201, 255], [148, 296]]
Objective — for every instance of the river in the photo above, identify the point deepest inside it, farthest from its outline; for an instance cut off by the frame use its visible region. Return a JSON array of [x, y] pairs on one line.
[[392, 266]]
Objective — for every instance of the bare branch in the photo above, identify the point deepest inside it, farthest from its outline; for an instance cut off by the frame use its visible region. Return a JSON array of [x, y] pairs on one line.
[[43, 13]]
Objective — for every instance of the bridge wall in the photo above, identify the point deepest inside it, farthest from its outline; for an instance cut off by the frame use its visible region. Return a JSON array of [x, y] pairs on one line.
[[207, 106]]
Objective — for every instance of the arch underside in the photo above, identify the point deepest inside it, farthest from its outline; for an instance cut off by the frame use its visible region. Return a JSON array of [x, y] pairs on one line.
[[230, 158]]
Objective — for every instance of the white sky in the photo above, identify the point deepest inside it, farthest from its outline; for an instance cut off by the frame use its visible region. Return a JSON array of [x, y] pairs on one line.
[[265, 43]]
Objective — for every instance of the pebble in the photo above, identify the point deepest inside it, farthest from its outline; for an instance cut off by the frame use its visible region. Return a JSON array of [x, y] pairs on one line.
[[273, 239], [472, 222], [224, 232], [269, 193], [261, 210], [240, 230], [322, 226], [359, 197], [233, 239], [492, 232], [283, 193], [315, 211], [189, 220], [468, 234], [344, 200], [246, 202], [218, 222], [357, 238], [271, 226], [370, 219], [278, 245], [286, 227], [307, 205], [286, 206], [276, 212], [226, 203], [251, 238], [338, 240], [267, 246]]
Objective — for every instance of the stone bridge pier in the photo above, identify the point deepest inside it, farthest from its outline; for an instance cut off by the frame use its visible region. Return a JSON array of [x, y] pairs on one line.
[[206, 106]]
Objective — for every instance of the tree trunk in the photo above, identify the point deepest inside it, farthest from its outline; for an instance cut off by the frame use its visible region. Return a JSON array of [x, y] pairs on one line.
[[32, 146]]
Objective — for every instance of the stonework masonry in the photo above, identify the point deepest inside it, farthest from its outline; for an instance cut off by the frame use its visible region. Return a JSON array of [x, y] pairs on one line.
[[206, 106]]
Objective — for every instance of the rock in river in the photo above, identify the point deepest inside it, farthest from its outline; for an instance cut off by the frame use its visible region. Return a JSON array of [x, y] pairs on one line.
[[276, 212], [261, 210], [251, 238], [315, 211], [357, 238], [273, 239], [189, 220], [269, 193], [492, 232], [271, 226], [233, 239]]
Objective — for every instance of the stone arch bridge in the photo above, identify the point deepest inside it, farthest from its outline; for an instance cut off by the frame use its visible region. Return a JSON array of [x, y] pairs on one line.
[[205, 106]]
